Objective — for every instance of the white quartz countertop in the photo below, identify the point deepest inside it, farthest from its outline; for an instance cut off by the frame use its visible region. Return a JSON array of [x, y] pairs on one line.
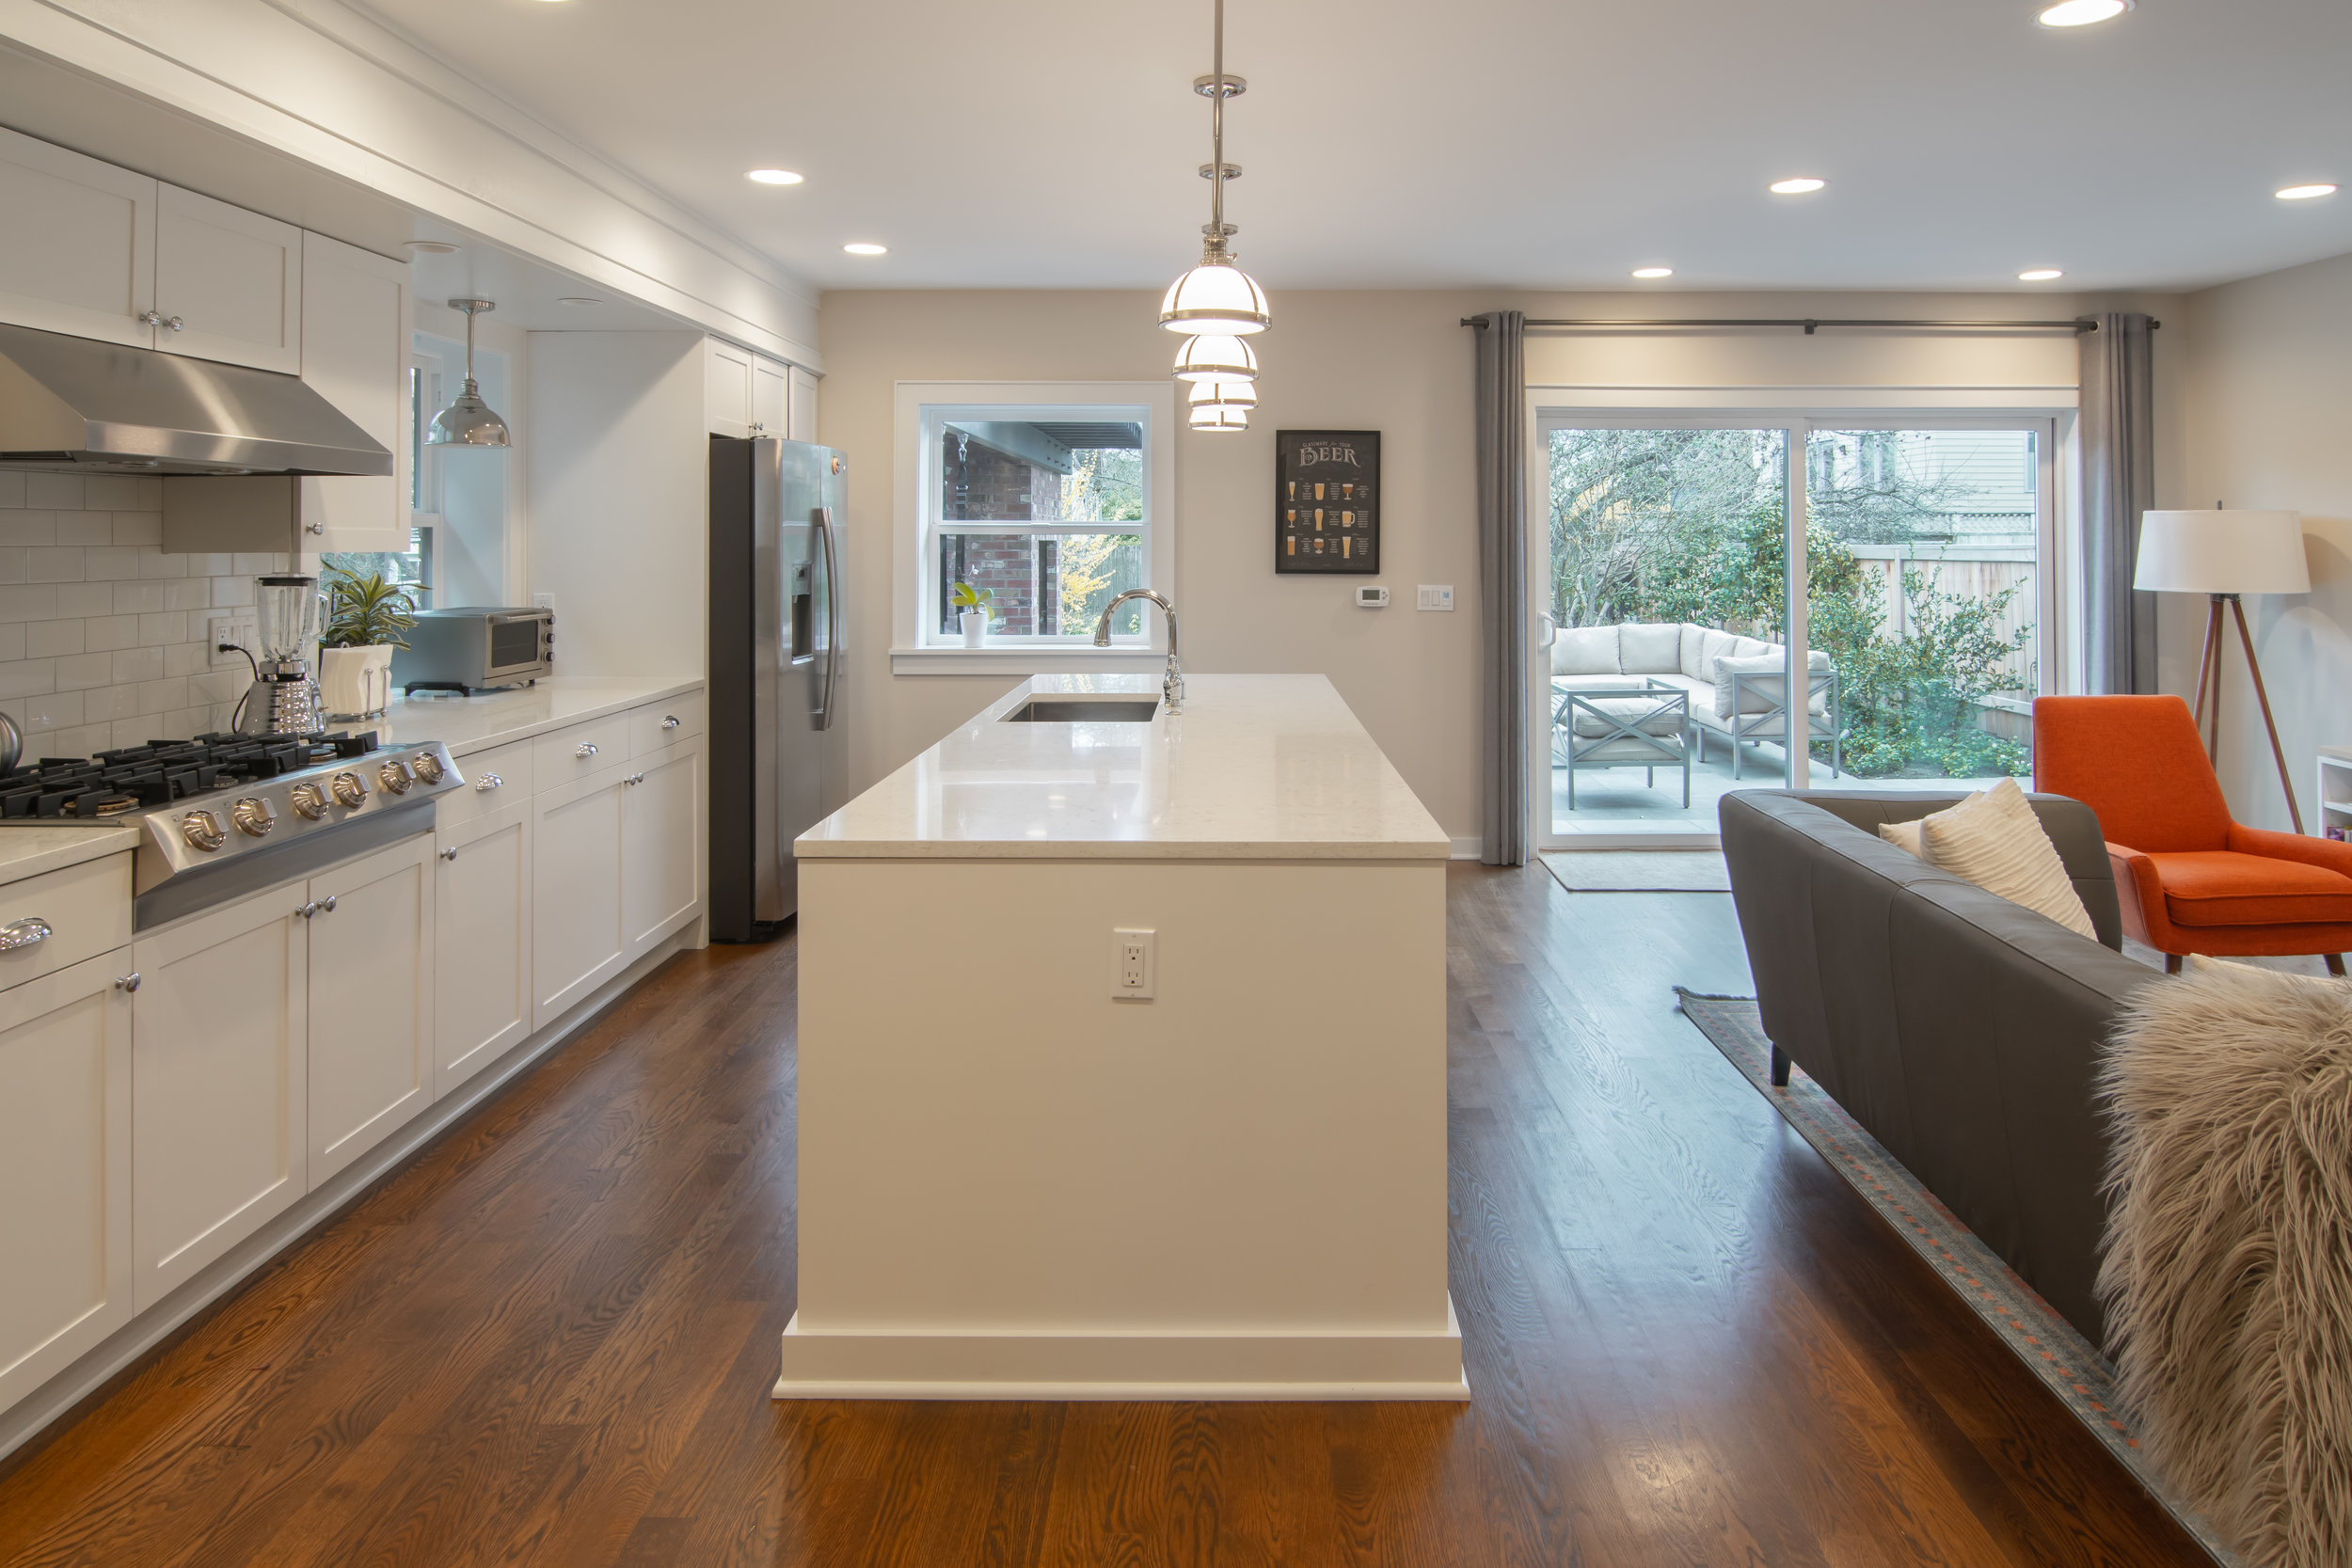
[[467, 724], [29, 852], [1255, 768]]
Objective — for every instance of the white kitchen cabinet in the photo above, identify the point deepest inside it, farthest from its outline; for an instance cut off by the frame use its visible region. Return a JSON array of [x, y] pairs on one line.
[[371, 971], [661, 840], [219, 1091], [802, 425], [576, 938], [356, 320], [481, 934], [227, 283], [771, 396], [77, 252], [65, 1166], [728, 387]]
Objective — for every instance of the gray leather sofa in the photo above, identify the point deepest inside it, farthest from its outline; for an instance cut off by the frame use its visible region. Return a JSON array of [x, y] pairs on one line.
[[1962, 1030]]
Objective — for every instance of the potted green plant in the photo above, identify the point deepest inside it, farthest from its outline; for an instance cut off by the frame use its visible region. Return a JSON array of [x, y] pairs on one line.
[[972, 605], [365, 616]]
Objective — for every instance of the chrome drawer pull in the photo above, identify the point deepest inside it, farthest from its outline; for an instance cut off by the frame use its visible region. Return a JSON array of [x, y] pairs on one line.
[[449, 854], [304, 911], [587, 749], [326, 905], [670, 721], [127, 983], [23, 933], [486, 782]]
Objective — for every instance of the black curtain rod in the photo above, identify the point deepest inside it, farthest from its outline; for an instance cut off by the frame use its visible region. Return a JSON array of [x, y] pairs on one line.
[[1811, 324]]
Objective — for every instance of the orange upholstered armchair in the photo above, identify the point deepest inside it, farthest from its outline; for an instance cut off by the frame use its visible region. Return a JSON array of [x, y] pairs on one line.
[[2205, 885]]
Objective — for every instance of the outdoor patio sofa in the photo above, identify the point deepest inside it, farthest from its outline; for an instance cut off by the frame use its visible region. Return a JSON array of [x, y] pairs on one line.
[[1649, 695]]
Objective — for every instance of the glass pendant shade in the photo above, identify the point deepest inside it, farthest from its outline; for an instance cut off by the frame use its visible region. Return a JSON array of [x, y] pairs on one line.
[[1216, 357], [1223, 393], [1218, 298], [469, 421], [1213, 416]]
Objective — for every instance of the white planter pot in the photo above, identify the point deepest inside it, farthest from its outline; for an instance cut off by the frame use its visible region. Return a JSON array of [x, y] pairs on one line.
[[356, 682], [975, 629]]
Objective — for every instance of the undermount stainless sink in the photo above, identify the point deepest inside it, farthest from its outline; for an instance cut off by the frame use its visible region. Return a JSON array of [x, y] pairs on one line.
[[1084, 711]]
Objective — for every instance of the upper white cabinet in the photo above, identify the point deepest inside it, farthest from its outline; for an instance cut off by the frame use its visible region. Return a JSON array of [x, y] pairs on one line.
[[357, 316], [227, 283], [77, 247], [748, 394], [728, 387], [802, 424], [771, 394]]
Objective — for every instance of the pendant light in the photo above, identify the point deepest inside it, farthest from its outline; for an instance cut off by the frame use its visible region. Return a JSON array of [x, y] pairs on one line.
[[1216, 296], [1217, 358], [1215, 417], [1224, 392], [469, 421]]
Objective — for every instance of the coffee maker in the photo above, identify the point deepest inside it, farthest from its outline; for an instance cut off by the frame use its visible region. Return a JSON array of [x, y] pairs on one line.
[[283, 699]]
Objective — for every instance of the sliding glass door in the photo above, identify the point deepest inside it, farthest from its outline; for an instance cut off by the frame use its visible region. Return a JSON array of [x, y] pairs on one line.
[[1668, 670]]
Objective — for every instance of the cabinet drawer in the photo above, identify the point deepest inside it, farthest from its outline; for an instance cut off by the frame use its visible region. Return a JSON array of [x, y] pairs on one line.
[[87, 908], [562, 757], [511, 767], [651, 728]]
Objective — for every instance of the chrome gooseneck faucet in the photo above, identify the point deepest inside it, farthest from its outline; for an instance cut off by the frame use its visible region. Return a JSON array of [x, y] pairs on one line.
[[1172, 687]]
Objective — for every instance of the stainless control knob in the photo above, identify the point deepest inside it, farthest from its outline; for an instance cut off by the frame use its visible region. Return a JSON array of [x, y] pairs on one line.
[[347, 789], [308, 800], [252, 817], [202, 831], [428, 767], [393, 776]]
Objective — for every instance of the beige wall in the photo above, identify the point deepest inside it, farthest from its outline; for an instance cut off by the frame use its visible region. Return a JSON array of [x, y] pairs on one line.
[[2270, 393], [1396, 362]]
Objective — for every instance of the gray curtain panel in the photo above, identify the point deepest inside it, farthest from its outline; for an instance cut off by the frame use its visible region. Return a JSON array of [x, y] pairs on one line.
[[2118, 484], [1502, 581]]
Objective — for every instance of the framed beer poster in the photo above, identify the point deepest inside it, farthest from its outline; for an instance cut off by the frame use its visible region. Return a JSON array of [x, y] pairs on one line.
[[1327, 501]]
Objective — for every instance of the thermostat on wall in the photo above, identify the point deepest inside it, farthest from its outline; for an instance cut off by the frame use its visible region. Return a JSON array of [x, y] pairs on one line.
[[1372, 598]]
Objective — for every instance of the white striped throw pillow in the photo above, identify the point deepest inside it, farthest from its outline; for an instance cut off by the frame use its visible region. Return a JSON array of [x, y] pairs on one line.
[[1995, 841]]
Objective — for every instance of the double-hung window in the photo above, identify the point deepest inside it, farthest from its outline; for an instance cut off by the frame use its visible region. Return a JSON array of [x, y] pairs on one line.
[[1040, 503]]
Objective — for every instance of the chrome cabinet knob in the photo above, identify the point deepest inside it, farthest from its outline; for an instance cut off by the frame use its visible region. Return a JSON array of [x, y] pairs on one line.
[[669, 721], [485, 782], [308, 800], [304, 911], [202, 831], [156, 318], [449, 854], [27, 932], [587, 749], [326, 905], [348, 789], [393, 776], [127, 983], [427, 766], [252, 817]]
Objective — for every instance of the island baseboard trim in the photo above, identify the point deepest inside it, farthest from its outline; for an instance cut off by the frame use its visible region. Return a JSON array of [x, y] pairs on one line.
[[1146, 1367]]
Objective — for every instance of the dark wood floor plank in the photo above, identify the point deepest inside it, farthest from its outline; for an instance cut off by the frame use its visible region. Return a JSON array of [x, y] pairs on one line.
[[548, 1340]]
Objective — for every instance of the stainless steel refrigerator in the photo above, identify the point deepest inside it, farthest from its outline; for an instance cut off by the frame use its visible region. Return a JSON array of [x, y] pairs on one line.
[[775, 668]]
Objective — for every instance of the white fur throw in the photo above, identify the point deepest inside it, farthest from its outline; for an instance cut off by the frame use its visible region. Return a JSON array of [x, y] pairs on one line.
[[2227, 1276]]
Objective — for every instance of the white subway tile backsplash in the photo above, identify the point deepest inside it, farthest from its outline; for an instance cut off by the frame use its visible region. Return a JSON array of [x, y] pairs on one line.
[[55, 490], [46, 639], [105, 633], [81, 672], [79, 599], [231, 592], [14, 564], [188, 594], [136, 528], [29, 602], [219, 686], [154, 564], [190, 659], [57, 710], [139, 598], [28, 528], [110, 564], [111, 491], [164, 696], [257, 564], [157, 630], [11, 489], [23, 677], [54, 566], [107, 701], [12, 641], [85, 528], [134, 665]]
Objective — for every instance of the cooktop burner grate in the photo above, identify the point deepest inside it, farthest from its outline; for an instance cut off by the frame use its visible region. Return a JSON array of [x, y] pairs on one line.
[[135, 778]]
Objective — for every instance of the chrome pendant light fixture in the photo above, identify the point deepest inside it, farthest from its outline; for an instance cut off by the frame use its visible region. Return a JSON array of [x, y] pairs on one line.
[[1224, 393], [469, 421], [1216, 305]]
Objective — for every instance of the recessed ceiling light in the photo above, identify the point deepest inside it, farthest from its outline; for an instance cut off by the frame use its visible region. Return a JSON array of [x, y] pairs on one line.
[[431, 248], [2082, 13], [866, 247], [1804, 185], [773, 175], [577, 299], [1653, 271], [2305, 193], [2040, 274]]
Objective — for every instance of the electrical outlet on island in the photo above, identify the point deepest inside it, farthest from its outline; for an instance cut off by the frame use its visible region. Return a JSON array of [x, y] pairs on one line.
[[1135, 964]]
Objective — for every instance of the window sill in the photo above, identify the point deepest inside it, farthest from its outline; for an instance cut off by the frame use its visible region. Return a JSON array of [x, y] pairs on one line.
[[1025, 659]]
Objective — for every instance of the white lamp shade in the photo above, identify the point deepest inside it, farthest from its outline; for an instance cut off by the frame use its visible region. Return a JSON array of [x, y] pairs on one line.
[[1217, 356], [1216, 417], [1227, 393], [2222, 552], [1215, 296]]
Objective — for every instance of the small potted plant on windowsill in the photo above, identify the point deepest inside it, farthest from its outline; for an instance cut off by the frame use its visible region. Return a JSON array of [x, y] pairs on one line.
[[973, 604], [365, 616]]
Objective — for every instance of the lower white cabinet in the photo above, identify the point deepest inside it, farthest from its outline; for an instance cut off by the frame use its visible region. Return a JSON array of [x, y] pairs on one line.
[[372, 962], [661, 838], [65, 1166], [481, 903], [577, 942], [219, 1090]]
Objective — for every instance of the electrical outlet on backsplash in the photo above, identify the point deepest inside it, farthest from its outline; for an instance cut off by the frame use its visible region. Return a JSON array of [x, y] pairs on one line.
[[101, 634]]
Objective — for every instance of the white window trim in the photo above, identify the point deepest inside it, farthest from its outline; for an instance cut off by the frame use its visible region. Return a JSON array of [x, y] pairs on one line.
[[911, 562]]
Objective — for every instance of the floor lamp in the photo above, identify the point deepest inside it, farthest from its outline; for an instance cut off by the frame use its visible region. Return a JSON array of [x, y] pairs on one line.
[[2224, 555]]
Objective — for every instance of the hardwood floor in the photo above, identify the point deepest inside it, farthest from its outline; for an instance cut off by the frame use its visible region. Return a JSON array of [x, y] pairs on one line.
[[549, 1339]]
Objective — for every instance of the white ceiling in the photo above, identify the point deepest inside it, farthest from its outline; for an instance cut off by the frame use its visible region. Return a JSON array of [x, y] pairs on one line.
[[1530, 143]]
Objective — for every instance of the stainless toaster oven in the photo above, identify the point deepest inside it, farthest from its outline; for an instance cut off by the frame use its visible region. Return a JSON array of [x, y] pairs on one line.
[[476, 649]]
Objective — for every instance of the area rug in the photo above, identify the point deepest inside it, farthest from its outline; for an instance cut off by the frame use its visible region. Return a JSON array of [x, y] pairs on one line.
[[1639, 870], [2067, 1364]]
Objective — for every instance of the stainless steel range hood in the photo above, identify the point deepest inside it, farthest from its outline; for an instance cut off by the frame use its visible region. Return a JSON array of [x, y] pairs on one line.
[[105, 408]]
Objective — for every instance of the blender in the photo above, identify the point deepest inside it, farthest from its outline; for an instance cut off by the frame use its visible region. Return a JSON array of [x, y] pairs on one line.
[[283, 699]]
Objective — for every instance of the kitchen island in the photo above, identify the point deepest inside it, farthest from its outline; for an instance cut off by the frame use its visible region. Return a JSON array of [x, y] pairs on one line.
[[1039, 1162]]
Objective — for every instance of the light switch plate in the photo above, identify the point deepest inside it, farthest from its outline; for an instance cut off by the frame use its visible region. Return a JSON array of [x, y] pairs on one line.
[[1437, 596], [1135, 964]]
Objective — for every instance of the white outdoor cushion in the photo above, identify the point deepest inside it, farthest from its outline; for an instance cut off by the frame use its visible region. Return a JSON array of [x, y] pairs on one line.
[[1712, 646], [1693, 645], [1749, 647], [1764, 696], [1586, 651], [1643, 715], [1995, 841], [1648, 650]]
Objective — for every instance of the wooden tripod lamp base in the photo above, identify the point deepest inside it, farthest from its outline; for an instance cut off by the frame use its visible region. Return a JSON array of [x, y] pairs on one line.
[[2209, 684]]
